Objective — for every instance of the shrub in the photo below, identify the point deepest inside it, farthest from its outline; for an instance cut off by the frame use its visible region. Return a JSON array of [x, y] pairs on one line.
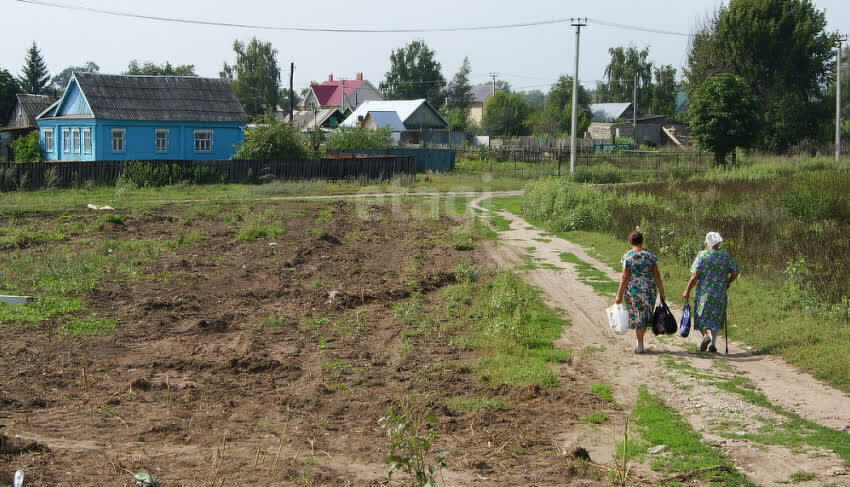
[[272, 139], [600, 174], [27, 148], [145, 174], [359, 138]]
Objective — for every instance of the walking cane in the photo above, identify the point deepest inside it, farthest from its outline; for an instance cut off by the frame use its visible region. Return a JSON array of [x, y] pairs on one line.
[[726, 330]]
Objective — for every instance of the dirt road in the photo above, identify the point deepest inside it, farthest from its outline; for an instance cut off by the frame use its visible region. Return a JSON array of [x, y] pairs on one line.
[[668, 371]]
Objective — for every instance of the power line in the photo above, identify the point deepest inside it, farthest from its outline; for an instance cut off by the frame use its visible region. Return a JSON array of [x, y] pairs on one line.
[[120, 13], [639, 28]]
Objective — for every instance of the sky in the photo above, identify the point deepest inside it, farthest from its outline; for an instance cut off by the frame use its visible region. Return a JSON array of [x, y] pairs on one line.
[[528, 58]]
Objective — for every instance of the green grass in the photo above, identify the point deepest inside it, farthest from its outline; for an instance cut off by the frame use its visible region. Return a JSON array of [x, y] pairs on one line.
[[791, 431], [603, 391], [505, 318], [256, 226], [594, 417], [659, 424], [500, 223], [464, 405], [599, 281], [89, 327], [798, 477]]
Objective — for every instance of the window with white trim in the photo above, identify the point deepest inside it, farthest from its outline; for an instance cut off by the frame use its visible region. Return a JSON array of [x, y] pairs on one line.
[[75, 135], [87, 141], [161, 144], [66, 140], [117, 140], [203, 140], [48, 140]]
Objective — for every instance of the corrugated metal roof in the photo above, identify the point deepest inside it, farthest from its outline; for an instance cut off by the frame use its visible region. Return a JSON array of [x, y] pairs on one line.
[[303, 119], [162, 98], [607, 112], [404, 109], [387, 119]]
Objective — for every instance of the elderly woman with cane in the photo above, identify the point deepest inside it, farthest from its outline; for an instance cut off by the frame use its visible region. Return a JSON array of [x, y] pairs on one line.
[[712, 272], [639, 285]]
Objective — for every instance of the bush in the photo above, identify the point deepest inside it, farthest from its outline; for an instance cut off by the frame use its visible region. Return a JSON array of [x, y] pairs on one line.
[[145, 174], [564, 206], [601, 174], [272, 139], [27, 148], [359, 138]]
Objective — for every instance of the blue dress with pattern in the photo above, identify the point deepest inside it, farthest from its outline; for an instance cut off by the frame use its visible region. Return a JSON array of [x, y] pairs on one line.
[[713, 268], [641, 289]]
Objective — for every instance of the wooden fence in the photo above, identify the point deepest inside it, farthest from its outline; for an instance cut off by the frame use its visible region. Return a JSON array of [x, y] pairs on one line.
[[74, 173]]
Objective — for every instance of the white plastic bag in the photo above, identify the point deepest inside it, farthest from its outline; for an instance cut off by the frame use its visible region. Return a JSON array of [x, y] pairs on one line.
[[618, 318]]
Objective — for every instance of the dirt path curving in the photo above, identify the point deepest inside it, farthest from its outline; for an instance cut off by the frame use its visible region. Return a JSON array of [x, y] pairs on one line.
[[711, 411]]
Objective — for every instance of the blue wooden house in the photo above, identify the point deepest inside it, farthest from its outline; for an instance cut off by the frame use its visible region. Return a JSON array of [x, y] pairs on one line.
[[103, 117]]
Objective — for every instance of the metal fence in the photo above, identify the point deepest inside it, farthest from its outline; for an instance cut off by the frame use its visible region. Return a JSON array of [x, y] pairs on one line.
[[70, 173]]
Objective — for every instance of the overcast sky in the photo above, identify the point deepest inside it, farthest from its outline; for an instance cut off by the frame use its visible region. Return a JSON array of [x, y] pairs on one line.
[[528, 58]]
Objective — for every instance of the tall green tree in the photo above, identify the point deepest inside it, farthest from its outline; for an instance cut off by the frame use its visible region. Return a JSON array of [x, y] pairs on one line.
[[625, 63], [255, 75], [152, 69], [8, 89], [34, 77], [724, 115], [560, 104], [414, 73], [60, 81], [506, 115], [781, 49], [663, 91], [459, 90]]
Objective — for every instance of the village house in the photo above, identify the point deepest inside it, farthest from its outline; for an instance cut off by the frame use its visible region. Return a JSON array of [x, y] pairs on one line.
[[480, 94], [123, 117], [412, 120], [341, 94], [21, 119]]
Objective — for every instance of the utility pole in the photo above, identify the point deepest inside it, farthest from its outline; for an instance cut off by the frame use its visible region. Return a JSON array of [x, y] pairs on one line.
[[634, 106], [291, 94], [493, 75], [841, 39], [342, 98], [578, 24]]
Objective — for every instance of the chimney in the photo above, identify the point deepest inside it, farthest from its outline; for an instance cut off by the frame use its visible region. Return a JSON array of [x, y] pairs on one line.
[[331, 77], [359, 77]]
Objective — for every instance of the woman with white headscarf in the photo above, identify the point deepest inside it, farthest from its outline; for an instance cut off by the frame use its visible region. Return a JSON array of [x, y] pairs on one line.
[[712, 272]]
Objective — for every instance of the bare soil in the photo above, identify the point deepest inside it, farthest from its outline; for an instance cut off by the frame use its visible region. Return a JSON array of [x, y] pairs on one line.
[[199, 386]]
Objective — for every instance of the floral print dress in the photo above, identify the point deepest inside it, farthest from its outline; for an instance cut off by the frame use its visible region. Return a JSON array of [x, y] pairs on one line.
[[713, 268], [641, 289]]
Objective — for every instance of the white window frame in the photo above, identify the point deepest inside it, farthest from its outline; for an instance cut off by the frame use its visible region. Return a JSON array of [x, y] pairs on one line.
[[122, 133], [48, 140], [203, 132], [76, 141], [66, 140], [87, 141], [157, 133]]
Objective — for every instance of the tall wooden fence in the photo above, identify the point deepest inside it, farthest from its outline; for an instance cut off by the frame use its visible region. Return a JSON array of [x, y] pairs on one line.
[[73, 173]]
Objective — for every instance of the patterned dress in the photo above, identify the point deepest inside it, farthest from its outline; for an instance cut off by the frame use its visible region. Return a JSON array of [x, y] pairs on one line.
[[713, 268], [641, 289]]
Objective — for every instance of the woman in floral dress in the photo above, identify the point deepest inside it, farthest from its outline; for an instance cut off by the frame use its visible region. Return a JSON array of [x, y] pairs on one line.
[[640, 283], [712, 272]]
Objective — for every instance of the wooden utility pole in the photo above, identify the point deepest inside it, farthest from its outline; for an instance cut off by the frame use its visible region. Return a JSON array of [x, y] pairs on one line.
[[841, 39], [634, 105], [493, 75], [291, 94], [578, 24]]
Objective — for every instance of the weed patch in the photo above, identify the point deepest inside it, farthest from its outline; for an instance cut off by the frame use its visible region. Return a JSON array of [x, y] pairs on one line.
[[463, 405]]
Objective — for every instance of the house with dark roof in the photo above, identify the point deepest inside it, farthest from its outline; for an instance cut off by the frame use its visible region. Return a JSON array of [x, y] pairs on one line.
[[480, 94], [342, 94], [21, 119], [128, 117]]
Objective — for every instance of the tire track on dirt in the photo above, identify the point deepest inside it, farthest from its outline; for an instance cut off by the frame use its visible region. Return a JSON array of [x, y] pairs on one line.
[[703, 407]]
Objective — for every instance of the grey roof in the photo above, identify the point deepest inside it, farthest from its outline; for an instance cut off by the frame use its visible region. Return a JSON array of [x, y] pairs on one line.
[[387, 119], [607, 112], [31, 106], [480, 93], [404, 109], [303, 119], [161, 98]]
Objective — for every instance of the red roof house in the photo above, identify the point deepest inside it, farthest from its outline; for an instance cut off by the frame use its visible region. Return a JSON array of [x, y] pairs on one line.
[[330, 94]]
